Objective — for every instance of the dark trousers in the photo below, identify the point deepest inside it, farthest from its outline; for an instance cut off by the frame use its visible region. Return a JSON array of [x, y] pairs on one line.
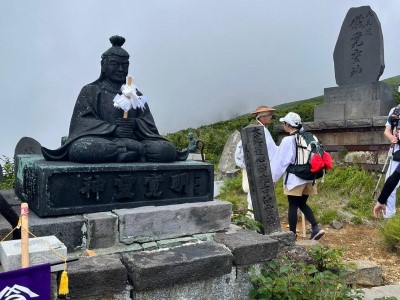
[[390, 185], [295, 203]]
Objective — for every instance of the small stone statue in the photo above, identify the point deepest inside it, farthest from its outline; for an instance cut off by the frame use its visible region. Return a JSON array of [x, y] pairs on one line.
[[192, 147], [102, 133]]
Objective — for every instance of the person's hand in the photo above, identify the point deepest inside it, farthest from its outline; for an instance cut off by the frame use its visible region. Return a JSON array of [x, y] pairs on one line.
[[379, 209], [123, 132], [129, 123]]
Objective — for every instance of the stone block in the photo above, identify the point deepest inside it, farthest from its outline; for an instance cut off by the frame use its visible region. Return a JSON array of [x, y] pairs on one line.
[[379, 121], [248, 247], [56, 188], [367, 109], [368, 157], [372, 91], [333, 111], [8, 200], [155, 294], [357, 101], [190, 291], [145, 224], [40, 252], [102, 229], [183, 264], [216, 288], [96, 277], [5, 229], [67, 229], [285, 239], [243, 283], [222, 287]]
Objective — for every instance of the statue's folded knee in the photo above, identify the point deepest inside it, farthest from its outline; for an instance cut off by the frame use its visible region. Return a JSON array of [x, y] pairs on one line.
[[159, 151], [93, 150]]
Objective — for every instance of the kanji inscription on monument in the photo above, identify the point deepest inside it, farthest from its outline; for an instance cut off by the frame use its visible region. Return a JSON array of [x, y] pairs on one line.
[[358, 54], [260, 178]]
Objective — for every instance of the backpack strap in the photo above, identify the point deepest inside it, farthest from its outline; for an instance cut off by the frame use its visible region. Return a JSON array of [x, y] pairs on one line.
[[296, 140]]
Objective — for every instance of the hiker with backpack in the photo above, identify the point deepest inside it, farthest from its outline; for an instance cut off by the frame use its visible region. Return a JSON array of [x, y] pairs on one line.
[[293, 157]]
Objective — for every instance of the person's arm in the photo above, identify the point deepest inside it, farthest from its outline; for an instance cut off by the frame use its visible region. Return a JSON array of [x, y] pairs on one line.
[[283, 158], [392, 137]]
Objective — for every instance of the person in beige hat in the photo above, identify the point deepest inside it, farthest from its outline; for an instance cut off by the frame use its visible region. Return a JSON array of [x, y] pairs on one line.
[[296, 188], [264, 116]]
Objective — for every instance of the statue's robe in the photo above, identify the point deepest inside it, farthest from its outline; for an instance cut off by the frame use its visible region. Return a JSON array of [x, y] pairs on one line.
[[95, 115]]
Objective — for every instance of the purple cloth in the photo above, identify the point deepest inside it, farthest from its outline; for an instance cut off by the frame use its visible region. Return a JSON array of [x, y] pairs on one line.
[[26, 283]]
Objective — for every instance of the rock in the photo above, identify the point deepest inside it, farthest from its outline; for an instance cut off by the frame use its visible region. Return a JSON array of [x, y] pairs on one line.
[[336, 225], [366, 273], [227, 161]]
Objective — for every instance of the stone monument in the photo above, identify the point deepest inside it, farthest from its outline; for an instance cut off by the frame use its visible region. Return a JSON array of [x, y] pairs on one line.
[[27, 145], [351, 121], [359, 63], [113, 158], [260, 178]]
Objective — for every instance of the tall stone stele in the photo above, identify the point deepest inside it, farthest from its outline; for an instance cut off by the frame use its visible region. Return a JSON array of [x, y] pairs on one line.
[[359, 63]]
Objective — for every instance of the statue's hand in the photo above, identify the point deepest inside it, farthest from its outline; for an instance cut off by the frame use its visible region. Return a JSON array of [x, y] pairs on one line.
[[123, 132], [130, 123]]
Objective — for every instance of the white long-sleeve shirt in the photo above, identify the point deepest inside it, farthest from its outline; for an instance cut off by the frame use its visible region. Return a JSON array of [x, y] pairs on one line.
[[284, 156]]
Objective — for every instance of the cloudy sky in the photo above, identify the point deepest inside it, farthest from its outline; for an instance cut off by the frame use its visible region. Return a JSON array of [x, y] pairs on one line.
[[198, 62]]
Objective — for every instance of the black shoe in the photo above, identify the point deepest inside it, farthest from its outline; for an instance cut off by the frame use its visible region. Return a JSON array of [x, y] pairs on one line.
[[317, 233]]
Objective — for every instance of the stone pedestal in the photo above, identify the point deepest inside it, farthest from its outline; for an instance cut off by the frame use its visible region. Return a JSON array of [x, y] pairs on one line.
[[65, 188], [356, 101]]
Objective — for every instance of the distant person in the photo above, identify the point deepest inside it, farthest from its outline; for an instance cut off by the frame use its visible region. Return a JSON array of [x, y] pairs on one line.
[[264, 116], [297, 190], [98, 133], [392, 134]]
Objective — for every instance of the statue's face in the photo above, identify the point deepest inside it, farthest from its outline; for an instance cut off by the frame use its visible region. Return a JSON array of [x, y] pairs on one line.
[[115, 68]]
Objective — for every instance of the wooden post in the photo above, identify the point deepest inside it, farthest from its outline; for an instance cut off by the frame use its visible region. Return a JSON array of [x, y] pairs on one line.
[[24, 235], [129, 80], [303, 225]]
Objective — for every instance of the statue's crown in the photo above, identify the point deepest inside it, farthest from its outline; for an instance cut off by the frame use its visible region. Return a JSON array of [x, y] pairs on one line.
[[116, 49]]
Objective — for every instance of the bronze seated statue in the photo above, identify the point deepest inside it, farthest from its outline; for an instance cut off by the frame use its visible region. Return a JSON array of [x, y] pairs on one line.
[[99, 134]]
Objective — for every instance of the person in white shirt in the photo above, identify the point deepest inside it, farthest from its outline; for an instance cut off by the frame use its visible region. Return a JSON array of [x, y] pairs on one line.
[[264, 116], [297, 190]]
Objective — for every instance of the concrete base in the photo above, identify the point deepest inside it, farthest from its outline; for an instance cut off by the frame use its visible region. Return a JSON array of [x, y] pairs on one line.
[[41, 250]]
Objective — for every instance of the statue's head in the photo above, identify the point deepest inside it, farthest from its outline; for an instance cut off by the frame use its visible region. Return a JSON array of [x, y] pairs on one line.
[[115, 61], [190, 135]]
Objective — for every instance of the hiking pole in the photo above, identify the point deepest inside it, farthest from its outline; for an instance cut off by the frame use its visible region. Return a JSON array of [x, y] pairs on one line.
[[380, 175]]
